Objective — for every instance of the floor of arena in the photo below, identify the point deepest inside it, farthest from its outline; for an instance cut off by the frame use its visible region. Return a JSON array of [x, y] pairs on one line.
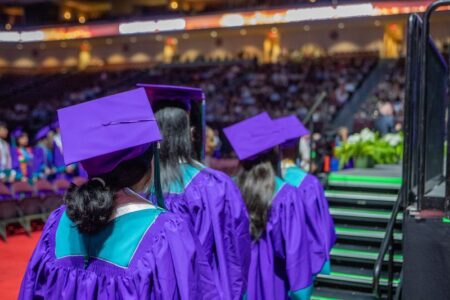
[[14, 256]]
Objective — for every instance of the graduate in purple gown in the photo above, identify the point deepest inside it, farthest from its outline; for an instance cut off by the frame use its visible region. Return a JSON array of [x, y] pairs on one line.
[[107, 241], [321, 231], [61, 169], [22, 156], [43, 154], [280, 265], [207, 199]]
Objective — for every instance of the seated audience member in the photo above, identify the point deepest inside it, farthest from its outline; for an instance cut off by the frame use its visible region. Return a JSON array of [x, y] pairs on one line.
[[22, 156], [5, 154]]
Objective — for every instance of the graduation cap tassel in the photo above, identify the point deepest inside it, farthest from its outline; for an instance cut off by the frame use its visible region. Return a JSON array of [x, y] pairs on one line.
[[157, 179]]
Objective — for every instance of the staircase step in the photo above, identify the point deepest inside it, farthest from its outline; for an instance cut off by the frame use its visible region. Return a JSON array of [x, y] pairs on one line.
[[360, 198], [351, 213], [351, 276], [326, 293], [363, 233], [361, 181], [359, 254]]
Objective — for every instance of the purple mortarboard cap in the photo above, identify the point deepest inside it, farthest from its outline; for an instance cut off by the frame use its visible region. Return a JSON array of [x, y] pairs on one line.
[[291, 127], [42, 133], [253, 135], [182, 94], [104, 132], [17, 133], [54, 125]]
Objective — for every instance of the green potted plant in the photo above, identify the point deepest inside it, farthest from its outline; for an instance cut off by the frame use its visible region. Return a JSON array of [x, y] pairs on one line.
[[367, 149]]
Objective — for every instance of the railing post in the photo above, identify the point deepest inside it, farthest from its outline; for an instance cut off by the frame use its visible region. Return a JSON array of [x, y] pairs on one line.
[[391, 267]]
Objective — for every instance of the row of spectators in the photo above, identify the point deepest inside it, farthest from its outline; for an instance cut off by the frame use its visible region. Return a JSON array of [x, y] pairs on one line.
[[383, 110], [234, 91]]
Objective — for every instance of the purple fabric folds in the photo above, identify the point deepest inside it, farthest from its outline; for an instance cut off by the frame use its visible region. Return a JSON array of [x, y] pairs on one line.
[[320, 224], [168, 264], [212, 203], [281, 257]]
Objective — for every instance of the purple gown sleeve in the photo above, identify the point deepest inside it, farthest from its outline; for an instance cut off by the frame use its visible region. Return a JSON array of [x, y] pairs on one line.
[[319, 222], [38, 166], [294, 246], [213, 205], [14, 159], [58, 158], [225, 213]]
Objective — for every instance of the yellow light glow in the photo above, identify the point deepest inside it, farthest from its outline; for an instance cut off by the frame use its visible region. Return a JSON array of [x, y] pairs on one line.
[[174, 5], [213, 34], [243, 32], [82, 19], [8, 26], [67, 15]]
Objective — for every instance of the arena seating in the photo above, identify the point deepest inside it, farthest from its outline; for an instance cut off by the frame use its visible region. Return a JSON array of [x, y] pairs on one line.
[[23, 203]]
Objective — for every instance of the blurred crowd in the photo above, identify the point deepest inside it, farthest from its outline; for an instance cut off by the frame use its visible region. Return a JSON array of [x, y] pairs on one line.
[[383, 110], [234, 91]]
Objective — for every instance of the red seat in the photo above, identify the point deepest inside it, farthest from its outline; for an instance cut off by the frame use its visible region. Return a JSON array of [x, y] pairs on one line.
[[22, 189], [44, 188], [61, 185], [79, 180], [5, 193]]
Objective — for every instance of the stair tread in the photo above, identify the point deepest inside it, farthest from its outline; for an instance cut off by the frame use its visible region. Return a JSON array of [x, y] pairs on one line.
[[326, 293], [362, 213], [356, 231], [352, 274], [350, 195], [359, 252]]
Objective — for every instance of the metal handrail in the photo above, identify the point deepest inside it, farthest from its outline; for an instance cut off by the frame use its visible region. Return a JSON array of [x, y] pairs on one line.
[[387, 244]]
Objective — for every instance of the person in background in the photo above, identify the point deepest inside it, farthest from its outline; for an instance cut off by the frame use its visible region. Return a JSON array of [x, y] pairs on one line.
[[61, 169], [5, 154], [22, 156], [44, 166], [207, 199], [280, 267], [320, 225], [385, 122], [108, 241]]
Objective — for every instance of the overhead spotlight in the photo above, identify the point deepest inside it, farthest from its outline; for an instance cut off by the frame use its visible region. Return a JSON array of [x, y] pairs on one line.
[[185, 36], [63, 44], [67, 15], [133, 39], [19, 46], [243, 31], [159, 38], [174, 5], [306, 28], [109, 41], [274, 30], [213, 34], [341, 25], [42, 46], [312, 1], [81, 19], [377, 23], [8, 26]]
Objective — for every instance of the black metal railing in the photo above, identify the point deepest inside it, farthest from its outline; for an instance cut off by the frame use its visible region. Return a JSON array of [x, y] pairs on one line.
[[387, 247]]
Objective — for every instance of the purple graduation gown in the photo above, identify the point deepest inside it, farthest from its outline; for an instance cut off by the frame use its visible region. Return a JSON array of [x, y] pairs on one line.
[[212, 203], [320, 224], [281, 256], [168, 263]]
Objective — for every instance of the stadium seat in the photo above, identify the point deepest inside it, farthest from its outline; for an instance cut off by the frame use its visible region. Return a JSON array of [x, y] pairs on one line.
[[5, 193], [44, 188], [61, 185], [9, 214], [79, 180], [22, 189]]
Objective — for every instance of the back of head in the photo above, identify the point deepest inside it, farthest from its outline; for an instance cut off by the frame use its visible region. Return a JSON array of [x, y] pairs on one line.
[[90, 206], [256, 180], [176, 146]]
